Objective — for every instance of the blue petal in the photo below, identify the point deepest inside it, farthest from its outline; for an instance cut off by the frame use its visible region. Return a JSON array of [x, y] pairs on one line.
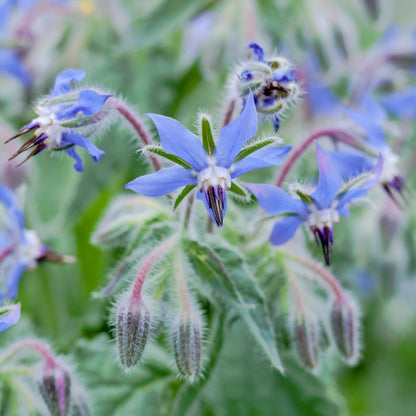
[[78, 166], [13, 278], [64, 79], [10, 317], [179, 141], [269, 156], [162, 182], [5, 12], [320, 97], [285, 229], [276, 201], [257, 50], [370, 121], [69, 137], [12, 64], [360, 193], [351, 164], [401, 104], [235, 135], [89, 103], [329, 179], [9, 199]]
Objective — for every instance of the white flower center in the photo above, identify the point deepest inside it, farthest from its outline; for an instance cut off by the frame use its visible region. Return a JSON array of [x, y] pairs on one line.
[[214, 176], [390, 170], [319, 218]]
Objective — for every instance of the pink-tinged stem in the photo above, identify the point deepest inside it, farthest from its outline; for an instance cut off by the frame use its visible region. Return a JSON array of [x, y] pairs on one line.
[[6, 252], [321, 271], [41, 9], [334, 133], [150, 261], [138, 127], [32, 344], [229, 113]]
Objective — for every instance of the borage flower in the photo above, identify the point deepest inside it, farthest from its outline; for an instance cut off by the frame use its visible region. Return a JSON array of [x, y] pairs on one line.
[[273, 82], [20, 249], [66, 118], [210, 166], [372, 120], [321, 208]]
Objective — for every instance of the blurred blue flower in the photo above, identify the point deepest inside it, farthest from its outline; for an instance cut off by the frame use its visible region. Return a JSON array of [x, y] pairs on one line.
[[66, 118], [9, 315], [372, 119], [19, 248], [401, 104], [320, 209], [210, 170], [273, 82]]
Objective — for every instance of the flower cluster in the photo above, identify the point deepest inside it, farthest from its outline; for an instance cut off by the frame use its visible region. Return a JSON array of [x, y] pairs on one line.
[[67, 118], [273, 82]]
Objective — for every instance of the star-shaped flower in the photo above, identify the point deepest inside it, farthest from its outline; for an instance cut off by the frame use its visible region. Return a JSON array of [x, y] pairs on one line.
[[66, 118], [210, 166], [320, 209]]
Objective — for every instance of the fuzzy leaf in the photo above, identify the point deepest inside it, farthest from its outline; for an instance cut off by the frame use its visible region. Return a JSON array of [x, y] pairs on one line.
[[157, 150], [185, 191], [207, 139], [248, 150], [224, 271]]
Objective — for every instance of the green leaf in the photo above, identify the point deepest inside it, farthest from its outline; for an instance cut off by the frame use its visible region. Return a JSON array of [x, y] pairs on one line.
[[207, 139], [160, 152], [182, 195], [248, 150], [224, 272]]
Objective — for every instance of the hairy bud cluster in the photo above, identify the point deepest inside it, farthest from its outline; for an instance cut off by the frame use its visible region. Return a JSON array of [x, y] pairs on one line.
[[273, 82]]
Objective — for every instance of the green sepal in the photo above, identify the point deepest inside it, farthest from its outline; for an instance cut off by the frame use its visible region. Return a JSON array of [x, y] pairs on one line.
[[238, 190], [248, 150], [207, 138], [182, 195], [157, 150], [304, 197]]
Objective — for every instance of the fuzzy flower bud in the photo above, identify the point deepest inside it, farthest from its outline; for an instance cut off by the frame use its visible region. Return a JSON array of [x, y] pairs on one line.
[[187, 345], [345, 328], [55, 388], [273, 83], [307, 333], [132, 329]]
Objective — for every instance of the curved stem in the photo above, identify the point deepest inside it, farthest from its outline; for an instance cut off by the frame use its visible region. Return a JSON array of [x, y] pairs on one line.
[[228, 113], [334, 133], [130, 117], [321, 271], [32, 344]]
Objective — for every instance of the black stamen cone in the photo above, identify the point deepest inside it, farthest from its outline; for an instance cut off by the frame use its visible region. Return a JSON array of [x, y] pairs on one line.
[[216, 203], [325, 237]]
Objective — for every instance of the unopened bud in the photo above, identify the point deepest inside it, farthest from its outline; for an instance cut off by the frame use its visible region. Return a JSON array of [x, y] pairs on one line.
[[80, 404], [187, 346], [55, 388], [306, 334], [344, 324], [133, 328]]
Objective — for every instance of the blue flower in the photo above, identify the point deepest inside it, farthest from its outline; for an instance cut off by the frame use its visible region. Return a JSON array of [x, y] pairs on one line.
[[210, 166], [66, 118], [273, 82], [401, 103], [9, 315], [372, 120], [19, 248], [320, 209]]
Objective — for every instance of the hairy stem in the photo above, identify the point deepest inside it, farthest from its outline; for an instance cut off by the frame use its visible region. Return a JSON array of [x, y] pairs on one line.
[[335, 134]]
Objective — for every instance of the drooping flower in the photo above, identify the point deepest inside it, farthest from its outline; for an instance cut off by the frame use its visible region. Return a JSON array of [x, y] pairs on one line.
[[210, 166], [67, 117], [321, 209], [372, 120], [20, 249], [273, 82]]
